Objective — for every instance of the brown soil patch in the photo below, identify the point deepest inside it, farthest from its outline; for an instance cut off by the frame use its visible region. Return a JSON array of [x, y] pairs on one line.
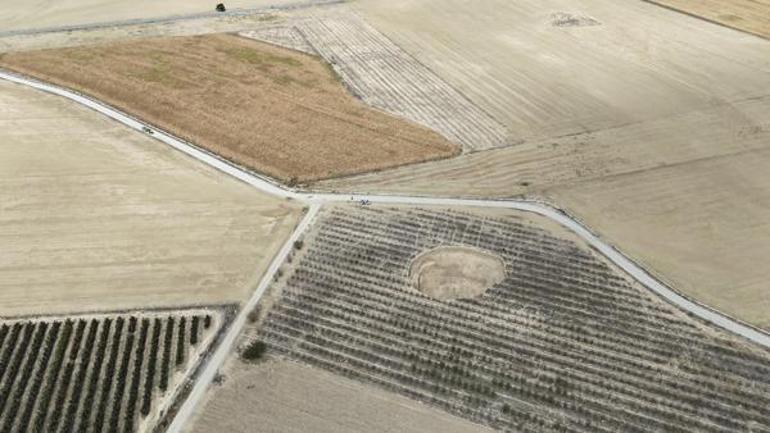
[[273, 110], [456, 272]]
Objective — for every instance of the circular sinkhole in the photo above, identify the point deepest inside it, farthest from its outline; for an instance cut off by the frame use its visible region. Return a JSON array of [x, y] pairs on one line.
[[455, 272]]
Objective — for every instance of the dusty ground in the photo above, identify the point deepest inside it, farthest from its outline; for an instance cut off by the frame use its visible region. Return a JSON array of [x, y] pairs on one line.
[[673, 108], [703, 227], [455, 272], [36, 14], [384, 76], [274, 110], [26, 41], [285, 397], [95, 216], [543, 78], [751, 16]]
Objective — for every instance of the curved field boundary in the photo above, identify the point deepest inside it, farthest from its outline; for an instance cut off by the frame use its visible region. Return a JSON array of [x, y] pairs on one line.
[[315, 201], [384, 76]]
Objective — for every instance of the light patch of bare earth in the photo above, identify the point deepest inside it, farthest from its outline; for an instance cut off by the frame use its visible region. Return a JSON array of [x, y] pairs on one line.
[[281, 396], [751, 16], [36, 14], [455, 272], [651, 126], [276, 111], [26, 41], [95, 216], [704, 228]]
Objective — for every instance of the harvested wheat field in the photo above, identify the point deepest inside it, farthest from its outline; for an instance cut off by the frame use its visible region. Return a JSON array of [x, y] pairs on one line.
[[556, 67], [599, 104], [751, 16], [703, 228], [386, 77], [276, 111], [278, 396], [96, 216]]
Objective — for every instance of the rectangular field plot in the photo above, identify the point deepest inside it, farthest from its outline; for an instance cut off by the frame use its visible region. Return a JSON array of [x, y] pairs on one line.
[[564, 343], [100, 373]]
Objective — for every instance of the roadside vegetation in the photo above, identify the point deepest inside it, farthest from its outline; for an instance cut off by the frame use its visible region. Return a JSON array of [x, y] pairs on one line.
[[254, 351]]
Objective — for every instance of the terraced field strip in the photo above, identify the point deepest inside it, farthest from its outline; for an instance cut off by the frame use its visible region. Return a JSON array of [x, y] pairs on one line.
[[386, 77], [99, 373], [563, 344]]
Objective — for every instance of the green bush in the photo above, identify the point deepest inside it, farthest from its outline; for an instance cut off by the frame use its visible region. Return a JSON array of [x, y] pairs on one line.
[[254, 351]]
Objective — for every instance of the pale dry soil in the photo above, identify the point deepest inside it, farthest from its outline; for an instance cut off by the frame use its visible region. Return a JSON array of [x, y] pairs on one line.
[[37, 14], [276, 111], [651, 126], [103, 34], [281, 396], [455, 272], [751, 16], [95, 216]]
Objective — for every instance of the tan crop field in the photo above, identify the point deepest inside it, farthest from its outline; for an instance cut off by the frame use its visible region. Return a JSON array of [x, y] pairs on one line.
[[655, 134], [279, 112], [278, 396], [36, 14], [751, 16], [95, 216]]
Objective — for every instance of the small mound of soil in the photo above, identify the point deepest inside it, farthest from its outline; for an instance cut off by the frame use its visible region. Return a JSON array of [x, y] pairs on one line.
[[455, 272], [561, 19]]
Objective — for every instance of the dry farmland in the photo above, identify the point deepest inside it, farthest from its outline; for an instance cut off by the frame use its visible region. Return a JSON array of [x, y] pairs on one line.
[[65, 13], [649, 124], [273, 110], [386, 77], [607, 65], [95, 216], [277, 396], [751, 16], [102, 373], [564, 343], [201, 25]]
